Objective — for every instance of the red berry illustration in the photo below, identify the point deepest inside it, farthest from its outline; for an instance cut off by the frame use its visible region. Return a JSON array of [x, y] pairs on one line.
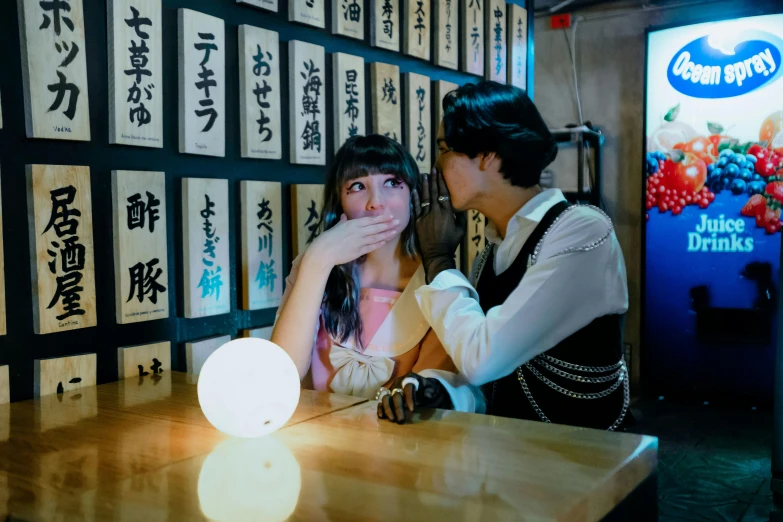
[[775, 189], [755, 204], [767, 217]]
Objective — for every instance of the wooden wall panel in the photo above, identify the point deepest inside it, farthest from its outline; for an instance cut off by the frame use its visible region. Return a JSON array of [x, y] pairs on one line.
[[202, 83], [440, 88], [517, 46], [475, 238], [348, 18], [307, 106], [54, 70], [62, 374], [446, 22], [147, 359], [495, 28], [135, 72], [471, 43], [386, 93], [349, 98], [308, 12], [418, 120], [417, 28], [259, 93], [385, 24], [141, 268], [197, 352], [259, 333], [61, 248], [269, 5], [262, 244], [306, 205], [5, 389], [206, 274]]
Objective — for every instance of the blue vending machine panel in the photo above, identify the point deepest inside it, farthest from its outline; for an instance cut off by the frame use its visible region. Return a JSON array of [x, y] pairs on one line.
[[713, 197]]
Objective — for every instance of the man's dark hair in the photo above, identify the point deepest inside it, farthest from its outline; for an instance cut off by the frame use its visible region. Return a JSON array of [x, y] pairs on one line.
[[492, 117]]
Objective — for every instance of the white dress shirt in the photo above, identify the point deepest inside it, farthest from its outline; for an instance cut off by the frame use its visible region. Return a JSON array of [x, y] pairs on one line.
[[579, 275]]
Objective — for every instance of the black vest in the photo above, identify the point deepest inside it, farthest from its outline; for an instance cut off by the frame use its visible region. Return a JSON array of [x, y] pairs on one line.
[[597, 344]]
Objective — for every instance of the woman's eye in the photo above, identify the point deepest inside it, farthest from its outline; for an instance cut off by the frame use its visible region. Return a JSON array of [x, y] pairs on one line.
[[394, 182], [355, 186]]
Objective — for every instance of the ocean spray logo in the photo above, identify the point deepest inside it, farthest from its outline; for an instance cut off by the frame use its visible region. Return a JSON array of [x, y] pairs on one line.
[[719, 235], [726, 64]]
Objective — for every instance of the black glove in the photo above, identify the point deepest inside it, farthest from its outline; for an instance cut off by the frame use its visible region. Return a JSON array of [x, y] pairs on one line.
[[398, 407], [439, 229]]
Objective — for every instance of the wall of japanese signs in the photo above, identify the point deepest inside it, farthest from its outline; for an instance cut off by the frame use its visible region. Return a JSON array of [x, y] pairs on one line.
[[162, 161]]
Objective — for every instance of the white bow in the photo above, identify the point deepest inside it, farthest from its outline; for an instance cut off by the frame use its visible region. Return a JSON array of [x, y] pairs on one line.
[[358, 374]]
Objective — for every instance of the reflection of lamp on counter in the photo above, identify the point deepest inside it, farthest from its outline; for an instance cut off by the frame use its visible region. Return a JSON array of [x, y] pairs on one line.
[[248, 388], [253, 479]]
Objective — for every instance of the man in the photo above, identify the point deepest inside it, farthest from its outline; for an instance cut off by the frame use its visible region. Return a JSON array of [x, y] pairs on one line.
[[538, 327]]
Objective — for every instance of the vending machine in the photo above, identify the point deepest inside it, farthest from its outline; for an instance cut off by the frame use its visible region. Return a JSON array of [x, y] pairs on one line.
[[713, 196]]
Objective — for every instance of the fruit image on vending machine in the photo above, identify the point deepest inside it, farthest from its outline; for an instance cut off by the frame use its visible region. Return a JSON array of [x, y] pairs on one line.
[[713, 196]]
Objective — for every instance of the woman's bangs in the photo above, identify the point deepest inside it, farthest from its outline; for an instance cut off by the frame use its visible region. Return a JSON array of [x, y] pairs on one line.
[[375, 160]]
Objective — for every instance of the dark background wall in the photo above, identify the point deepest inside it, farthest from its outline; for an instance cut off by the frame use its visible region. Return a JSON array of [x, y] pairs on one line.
[[20, 347]]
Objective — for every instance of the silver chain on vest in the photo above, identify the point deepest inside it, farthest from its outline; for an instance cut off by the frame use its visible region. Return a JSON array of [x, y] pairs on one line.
[[623, 378], [620, 372], [577, 378]]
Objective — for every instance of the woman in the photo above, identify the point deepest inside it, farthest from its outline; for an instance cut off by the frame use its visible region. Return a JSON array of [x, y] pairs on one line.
[[349, 317]]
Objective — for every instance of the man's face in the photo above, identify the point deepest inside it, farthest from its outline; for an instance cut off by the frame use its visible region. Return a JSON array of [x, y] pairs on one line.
[[462, 174]]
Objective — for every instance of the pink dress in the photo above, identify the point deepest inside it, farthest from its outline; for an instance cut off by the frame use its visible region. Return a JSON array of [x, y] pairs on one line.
[[396, 337]]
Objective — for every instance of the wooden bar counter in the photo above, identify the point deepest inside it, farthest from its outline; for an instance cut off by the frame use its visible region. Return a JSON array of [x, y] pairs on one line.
[[140, 449]]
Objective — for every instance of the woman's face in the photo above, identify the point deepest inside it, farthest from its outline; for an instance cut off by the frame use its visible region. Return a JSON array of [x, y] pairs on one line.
[[375, 195]]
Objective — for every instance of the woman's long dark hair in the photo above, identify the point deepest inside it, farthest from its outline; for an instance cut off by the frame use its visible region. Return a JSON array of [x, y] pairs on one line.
[[358, 157]]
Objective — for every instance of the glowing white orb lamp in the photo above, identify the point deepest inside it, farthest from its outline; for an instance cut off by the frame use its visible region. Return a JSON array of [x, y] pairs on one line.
[[248, 388]]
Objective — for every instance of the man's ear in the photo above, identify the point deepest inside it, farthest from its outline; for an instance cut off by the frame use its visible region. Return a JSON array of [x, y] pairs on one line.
[[487, 160]]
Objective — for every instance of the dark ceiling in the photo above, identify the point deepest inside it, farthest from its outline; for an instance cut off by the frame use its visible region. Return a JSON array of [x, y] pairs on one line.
[[567, 6]]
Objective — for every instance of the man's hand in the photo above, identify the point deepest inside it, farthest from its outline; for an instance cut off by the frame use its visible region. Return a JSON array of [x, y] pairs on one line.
[[439, 229], [409, 392]]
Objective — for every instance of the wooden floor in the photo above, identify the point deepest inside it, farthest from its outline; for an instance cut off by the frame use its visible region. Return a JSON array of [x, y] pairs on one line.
[[142, 450]]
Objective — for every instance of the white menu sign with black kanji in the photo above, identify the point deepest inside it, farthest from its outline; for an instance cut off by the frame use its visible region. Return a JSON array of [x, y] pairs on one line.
[[54, 69], [135, 73], [307, 124], [202, 84], [259, 93], [349, 98]]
